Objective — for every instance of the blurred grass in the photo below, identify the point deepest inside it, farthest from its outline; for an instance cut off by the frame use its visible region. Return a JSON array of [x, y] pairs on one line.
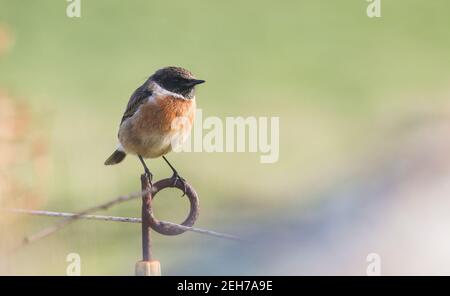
[[323, 66]]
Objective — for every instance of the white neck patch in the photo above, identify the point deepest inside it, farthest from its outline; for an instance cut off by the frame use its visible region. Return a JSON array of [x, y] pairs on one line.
[[159, 90]]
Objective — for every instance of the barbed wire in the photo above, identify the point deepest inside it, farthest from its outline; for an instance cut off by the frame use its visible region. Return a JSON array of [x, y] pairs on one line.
[[67, 220], [148, 221], [66, 215], [114, 219]]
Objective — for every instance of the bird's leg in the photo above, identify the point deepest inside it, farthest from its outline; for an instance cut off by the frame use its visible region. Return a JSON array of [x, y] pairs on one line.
[[147, 171], [176, 177]]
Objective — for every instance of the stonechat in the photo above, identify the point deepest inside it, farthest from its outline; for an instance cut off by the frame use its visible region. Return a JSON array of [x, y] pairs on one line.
[[147, 127]]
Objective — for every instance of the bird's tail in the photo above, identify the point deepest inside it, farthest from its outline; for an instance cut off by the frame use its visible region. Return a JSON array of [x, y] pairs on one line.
[[116, 157]]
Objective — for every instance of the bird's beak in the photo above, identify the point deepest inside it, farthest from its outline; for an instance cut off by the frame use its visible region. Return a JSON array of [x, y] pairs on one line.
[[193, 82]]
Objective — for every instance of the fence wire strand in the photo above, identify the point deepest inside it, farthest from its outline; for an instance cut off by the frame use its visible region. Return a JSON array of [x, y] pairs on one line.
[[69, 217], [67, 220]]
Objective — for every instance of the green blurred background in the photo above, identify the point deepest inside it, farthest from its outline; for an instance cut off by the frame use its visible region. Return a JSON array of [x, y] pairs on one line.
[[340, 82]]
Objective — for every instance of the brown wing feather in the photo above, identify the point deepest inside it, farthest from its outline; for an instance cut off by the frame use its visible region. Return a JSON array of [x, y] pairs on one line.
[[138, 97]]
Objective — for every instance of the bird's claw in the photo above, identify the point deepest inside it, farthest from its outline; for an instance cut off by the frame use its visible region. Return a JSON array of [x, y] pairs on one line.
[[149, 176], [177, 178]]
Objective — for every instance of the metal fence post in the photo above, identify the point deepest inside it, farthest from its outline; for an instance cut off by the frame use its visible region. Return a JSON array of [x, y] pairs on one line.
[[148, 266]]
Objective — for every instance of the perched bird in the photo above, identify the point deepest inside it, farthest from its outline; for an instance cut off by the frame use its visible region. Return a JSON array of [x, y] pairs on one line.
[[151, 122]]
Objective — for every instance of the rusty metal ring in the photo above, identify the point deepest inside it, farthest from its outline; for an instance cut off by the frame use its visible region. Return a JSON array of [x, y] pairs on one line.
[[169, 229]]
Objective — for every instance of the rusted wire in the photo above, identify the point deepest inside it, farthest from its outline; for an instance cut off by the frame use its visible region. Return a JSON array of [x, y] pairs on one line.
[[119, 219], [70, 215], [147, 266], [61, 224], [168, 228], [147, 196], [149, 221]]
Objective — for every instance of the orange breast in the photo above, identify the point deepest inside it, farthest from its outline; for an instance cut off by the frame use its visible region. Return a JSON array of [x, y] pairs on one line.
[[152, 130], [165, 112]]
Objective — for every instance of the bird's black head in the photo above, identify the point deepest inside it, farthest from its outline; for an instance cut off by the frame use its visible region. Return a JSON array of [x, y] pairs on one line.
[[177, 80]]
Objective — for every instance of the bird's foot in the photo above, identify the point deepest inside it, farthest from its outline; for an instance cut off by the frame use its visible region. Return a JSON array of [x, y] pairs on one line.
[[149, 176], [177, 178]]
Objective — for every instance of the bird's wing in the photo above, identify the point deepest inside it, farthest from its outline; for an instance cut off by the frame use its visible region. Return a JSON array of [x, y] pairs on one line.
[[139, 96]]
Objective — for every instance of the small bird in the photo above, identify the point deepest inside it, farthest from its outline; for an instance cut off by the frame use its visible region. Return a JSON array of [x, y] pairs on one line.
[[149, 124]]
